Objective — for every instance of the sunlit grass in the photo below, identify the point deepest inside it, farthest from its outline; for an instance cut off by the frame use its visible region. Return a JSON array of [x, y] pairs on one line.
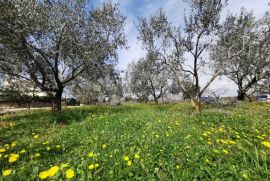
[[137, 142]]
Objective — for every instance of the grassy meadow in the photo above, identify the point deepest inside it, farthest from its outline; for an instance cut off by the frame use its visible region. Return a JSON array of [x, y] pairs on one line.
[[137, 142]]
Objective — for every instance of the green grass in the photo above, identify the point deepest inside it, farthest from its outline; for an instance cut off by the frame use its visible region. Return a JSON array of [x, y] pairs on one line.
[[172, 143]]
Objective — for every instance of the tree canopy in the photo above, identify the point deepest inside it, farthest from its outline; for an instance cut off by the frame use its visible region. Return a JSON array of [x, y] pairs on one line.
[[53, 42]]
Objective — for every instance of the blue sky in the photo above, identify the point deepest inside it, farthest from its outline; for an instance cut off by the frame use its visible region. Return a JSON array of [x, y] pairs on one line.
[[175, 11]]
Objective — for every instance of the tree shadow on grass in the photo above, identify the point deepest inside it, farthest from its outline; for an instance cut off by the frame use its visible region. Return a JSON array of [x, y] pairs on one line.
[[67, 115], [40, 120]]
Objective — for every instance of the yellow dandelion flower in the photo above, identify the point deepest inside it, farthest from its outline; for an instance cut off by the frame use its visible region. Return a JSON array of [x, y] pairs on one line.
[[6, 172], [126, 158], [209, 142], [64, 165], [13, 157], [43, 175], [267, 144], [177, 167], [52, 171], [103, 146], [111, 156], [58, 146], [96, 165], [225, 151], [2, 150], [37, 155], [129, 163], [91, 154], [36, 136], [91, 167], [70, 174], [224, 141], [137, 156], [48, 148], [205, 134], [45, 143], [245, 176], [231, 142], [220, 129], [22, 151], [13, 144]]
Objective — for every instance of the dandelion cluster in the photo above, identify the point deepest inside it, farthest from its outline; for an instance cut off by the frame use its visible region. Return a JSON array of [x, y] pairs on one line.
[[137, 142]]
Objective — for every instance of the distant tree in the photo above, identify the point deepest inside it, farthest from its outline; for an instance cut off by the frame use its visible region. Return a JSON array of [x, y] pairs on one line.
[[17, 91], [148, 76], [248, 42], [103, 83], [52, 42], [263, 86], [135, 85], [187, 83], [216, 93], [170, 43]]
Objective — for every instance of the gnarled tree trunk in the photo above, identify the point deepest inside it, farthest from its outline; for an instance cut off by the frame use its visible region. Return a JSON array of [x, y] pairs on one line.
[[156, 100], [57, 107], [196, 104], [241, 95]]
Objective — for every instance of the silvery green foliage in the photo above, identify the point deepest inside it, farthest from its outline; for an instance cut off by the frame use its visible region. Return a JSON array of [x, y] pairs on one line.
[[170, 42], [53, 42], [103, 85], [246, 42], [148, 77], [17, 91]]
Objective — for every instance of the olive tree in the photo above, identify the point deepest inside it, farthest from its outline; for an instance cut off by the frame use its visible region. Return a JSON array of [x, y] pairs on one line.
[[104, 84], [263, 86], [16, 91], [148, 77], [170, 43], [241, 33], [52, 42]]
